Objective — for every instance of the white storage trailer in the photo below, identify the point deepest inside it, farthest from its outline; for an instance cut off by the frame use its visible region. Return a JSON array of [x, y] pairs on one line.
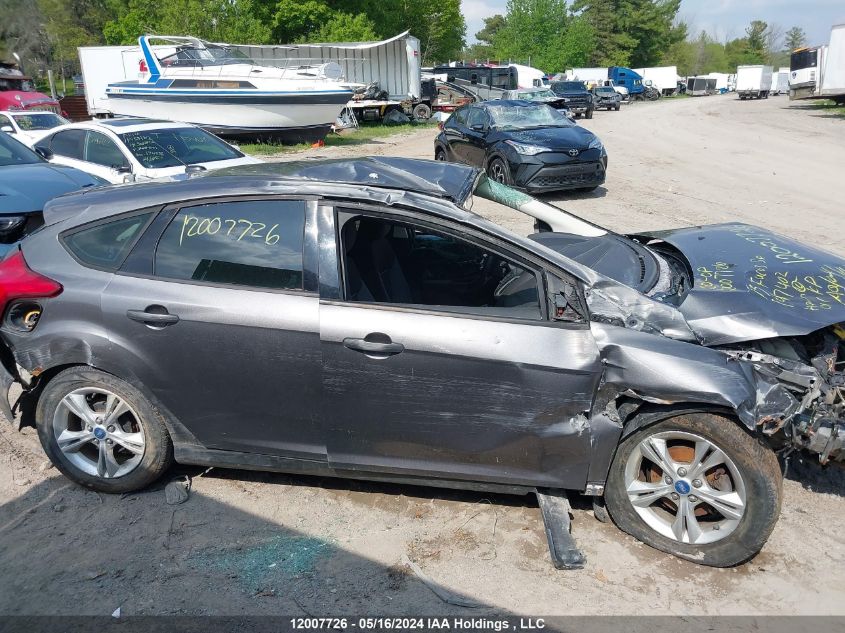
[[833, 77], [753, 81], [393, 63], [664, 78], [780, 81]]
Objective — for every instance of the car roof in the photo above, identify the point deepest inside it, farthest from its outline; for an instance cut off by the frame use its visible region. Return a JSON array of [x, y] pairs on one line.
[[126, 124], [434, 178], [378, 179]]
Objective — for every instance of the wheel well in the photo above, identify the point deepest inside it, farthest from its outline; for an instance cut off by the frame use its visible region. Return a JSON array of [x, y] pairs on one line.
[[29, 398], [649, 414], [29, 402]]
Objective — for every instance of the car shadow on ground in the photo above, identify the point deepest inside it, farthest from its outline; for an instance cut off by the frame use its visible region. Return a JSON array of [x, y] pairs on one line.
[[68, 550], [813, 476], [573, 194]]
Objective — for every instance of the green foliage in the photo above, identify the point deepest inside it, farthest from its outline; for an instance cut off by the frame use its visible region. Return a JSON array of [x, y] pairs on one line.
[[630, 32], [345, 27], [756, 38], [795, 38], [492, 25], [544, 34]]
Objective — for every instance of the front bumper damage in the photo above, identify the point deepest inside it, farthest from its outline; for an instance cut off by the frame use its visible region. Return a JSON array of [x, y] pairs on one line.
[[798, 405]]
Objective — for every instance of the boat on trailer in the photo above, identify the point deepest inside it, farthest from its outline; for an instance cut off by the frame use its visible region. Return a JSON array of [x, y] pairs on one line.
[[222, 90]]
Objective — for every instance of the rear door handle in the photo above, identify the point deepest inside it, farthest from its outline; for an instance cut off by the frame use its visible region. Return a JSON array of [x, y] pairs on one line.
[[373, 347], [152, 318]]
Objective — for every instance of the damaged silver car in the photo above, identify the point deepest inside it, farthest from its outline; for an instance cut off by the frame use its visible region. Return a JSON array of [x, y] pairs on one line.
[[355, 318]]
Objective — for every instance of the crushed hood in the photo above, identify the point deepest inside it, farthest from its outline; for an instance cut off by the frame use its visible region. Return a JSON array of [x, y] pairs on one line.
[[556, 138], [750, 283]]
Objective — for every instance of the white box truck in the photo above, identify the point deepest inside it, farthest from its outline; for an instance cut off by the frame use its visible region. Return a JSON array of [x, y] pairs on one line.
[[818, 72], [753, 81], [833, 77]]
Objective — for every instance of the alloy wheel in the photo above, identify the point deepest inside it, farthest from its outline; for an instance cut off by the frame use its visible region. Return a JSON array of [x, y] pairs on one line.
[[497, 172], [99, 433], [685, 487]]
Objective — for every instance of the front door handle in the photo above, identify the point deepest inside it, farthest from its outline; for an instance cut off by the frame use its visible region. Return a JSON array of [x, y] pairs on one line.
[[152, 318], [373, 347]]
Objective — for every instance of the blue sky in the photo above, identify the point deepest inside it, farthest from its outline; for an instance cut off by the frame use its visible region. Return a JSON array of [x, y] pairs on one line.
[[724, 19]]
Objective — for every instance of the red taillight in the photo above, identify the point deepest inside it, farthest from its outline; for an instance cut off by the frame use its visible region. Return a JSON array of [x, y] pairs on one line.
[[19, 281]]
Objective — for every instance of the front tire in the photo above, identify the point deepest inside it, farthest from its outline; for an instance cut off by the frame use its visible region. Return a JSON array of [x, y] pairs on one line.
[[498, 170], [697, 486], [101, 432], [589, 114], [440, 154]]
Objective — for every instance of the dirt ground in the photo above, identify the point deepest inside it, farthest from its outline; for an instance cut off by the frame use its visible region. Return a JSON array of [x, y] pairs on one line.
[[255, 543]]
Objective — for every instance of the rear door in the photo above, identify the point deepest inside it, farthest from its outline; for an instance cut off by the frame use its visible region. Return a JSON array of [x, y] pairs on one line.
[[439, 360], [478, 125], [455, 131], [216, 311]]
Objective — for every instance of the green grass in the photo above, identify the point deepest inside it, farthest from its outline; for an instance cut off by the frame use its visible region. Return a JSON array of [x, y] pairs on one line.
[[829, 107], [365, 133]]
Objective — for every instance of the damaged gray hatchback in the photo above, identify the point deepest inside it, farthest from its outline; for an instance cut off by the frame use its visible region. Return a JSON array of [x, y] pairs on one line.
[[355, 318]]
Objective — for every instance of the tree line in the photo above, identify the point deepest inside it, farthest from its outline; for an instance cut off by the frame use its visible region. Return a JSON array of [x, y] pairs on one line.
[[549, 34], [46, 33], [554, 35]]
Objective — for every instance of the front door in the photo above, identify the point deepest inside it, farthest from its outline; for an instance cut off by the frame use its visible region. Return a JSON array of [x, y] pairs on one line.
[[439, 361], [224, 324]]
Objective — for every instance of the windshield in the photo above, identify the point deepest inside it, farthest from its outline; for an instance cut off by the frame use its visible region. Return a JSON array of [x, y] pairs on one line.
[[536, 95], [172, 147], [14, 153], [38, 121], [569, 85], [605, 91], [520, 117], [208, 56]]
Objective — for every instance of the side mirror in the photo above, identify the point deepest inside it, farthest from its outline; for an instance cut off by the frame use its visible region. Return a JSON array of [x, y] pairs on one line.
[[478, 127], [44, 153], [7, 128], [122, 169]]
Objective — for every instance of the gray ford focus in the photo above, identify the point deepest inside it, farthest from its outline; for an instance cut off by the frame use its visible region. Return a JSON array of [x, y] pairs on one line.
[[355, 318]]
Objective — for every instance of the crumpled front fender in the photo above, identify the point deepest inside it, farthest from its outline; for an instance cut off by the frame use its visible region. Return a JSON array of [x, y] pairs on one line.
[[666, 371]]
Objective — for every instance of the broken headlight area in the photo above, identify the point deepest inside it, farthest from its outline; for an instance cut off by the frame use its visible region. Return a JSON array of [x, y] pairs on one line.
[[801, 391]]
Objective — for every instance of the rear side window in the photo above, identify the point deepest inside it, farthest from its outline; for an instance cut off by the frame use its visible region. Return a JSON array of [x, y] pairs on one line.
[[106, 245], [254, 243], [461, 116], [68, 143], [100, 149]]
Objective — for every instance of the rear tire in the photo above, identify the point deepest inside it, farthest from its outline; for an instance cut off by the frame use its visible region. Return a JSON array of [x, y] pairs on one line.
[[440, 154], [422, 112], [743, 477], [118, 452]]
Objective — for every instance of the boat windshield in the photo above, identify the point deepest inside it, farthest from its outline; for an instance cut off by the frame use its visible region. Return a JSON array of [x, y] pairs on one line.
[[171, 147], [210, 55]]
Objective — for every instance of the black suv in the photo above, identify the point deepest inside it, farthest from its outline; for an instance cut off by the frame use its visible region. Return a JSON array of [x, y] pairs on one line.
[[578, 98]]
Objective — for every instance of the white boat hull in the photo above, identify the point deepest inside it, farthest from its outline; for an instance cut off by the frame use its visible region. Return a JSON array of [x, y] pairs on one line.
[[297, 122]]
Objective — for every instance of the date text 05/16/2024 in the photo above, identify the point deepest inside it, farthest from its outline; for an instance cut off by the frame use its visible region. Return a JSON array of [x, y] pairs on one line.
[[421, 624]]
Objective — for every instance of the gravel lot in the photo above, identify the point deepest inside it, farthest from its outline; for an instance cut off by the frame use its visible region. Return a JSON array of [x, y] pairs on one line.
[[254, 543]]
